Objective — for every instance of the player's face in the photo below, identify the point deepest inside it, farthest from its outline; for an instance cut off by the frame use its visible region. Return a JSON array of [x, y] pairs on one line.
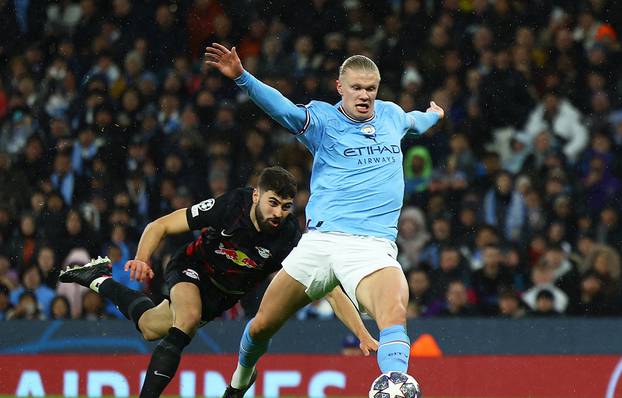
[[358, 90], [271, 210]]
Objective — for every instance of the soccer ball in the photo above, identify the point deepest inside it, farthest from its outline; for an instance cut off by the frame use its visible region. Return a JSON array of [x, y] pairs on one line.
[[395, 385]]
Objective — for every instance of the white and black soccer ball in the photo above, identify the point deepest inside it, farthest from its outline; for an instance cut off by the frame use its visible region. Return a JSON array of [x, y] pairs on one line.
[[395, 385]]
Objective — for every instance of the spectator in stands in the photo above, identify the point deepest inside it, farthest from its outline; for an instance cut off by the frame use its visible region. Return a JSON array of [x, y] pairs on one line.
[[8, 275], [25, 244], [504, 207], [16, 131], [60, 309], [605, 264], [592, 301], [200, 20], [510, 305], [417, 171], [563, 213], [31, 282], [490, 280], [466, 227], [545, 304], [26, 307], [449, 181], [451, 267], [84, 150], [514, 260], [77, 235], [167, 36], [33, 160], [607, 229], [93, 306], [421, 300], [46, 262], [14, 190], [542, 146], [565, 273], [536, 248], [520, 149], [504, 81], [441, 236], [563, 120], [486, 235], [412, 236], [543, 278], [457, 301], [585, 245], [601, 186], [70, 185]]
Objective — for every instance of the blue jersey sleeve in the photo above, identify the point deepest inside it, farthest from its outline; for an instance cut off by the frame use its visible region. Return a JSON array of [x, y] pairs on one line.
[[311, 133], [271, 101], [420, 122]]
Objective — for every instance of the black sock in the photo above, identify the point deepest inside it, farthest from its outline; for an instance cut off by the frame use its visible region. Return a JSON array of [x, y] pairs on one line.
[[164, 363], [130, 302]]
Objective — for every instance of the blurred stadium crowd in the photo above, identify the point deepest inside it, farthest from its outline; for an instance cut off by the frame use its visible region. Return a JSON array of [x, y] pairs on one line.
[[109, 120]]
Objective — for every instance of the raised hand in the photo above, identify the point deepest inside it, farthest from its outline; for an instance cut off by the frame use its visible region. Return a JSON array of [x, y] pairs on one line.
[[223, 59], [139, 270], [435, 108]]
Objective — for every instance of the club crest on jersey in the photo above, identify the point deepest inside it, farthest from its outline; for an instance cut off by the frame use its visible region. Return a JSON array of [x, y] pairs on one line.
[[263, 252], [369, 131]]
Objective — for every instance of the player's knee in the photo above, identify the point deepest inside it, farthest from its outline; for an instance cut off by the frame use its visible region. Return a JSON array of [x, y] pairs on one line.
[[400, 313], [151, 329], [261, 328], [188, 321], [151, 335], [394, 315]]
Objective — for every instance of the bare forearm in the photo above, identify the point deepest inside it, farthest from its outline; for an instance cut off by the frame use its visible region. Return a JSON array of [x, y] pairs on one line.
[[149, 241], [346, 312]]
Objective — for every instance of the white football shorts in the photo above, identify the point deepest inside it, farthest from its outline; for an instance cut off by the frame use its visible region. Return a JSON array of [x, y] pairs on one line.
[[323, 260]]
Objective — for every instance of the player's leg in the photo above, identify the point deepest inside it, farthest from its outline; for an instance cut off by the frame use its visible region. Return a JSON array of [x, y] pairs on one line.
[[155, 323], [371, 276], [306, 275], [187, 310], [97, 276], [384, 295], [284, 296]]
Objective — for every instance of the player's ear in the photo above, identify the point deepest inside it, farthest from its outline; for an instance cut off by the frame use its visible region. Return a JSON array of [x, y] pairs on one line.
[[338, 83], [255, 196]]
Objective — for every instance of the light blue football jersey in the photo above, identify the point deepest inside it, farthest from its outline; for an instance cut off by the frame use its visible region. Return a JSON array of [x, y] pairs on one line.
[[357, 180]]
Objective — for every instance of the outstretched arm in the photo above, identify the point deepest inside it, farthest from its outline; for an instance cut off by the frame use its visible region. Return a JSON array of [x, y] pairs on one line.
[[347, 313], [270, 100], [155, 231], [422, 121]]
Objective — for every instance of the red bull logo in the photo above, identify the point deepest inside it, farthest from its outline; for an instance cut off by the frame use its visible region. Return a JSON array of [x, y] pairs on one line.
[[237, 256]]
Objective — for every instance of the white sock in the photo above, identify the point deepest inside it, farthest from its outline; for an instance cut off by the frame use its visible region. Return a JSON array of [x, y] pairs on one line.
[[241, 376], [95, 284]]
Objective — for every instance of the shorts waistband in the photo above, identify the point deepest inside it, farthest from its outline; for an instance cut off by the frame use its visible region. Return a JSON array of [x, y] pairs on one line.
[[345, 234]]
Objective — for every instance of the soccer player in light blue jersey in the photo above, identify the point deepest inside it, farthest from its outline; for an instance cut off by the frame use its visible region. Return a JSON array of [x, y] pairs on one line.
[[357, 189]]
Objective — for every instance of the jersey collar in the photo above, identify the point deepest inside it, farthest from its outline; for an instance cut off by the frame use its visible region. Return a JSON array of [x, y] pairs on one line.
[[343, 112]]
